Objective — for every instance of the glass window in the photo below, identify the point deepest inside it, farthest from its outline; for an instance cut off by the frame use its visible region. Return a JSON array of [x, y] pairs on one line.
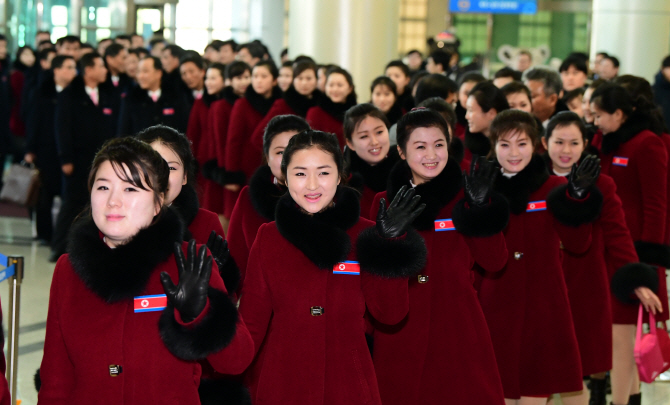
[[472, 32], [534, 30], [412, 27]]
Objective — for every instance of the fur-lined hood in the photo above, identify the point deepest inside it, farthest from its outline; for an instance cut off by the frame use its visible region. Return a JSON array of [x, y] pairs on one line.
[[122, 273], [322, 237], [264, 193]]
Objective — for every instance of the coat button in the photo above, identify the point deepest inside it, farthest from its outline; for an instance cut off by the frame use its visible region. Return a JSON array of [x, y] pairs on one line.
[[422, 279], [115, 370], [561, 245], [518, 255], [316, 311]]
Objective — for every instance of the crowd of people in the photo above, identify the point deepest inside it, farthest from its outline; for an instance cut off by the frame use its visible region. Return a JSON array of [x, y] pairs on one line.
[[241, 232]]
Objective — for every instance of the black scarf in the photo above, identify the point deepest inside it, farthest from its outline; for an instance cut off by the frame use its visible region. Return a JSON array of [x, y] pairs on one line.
[[208, 99], [337, 110], [395, 113], [260, 103], [374, 177], [477, 143], [436, 193], [122, 273], [322, 237], [299, 103], [635, 124], [229, 95], [264, 194], [517, 189]]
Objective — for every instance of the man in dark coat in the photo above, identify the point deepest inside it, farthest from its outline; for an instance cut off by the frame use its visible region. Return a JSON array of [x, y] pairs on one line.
[[192, 69], [546, 88], [170, 57], [86, 117], [115, 61], [41, 140], [662, 90], [152, 103]]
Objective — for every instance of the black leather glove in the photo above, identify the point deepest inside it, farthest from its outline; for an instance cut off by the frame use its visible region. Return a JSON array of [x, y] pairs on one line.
[[583, 177], [395, 220], [189, 297], [219, 249], [479, 183]]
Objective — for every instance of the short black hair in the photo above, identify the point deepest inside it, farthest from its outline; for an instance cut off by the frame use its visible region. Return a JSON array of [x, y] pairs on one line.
[[215, 44], [140, 52], [279, 124], [88, 60], [283, 53], [358, 113], [445, 109], [236, 68], [434, 85], [44, 53], [399, 64], [572, 94], [158, 65], [194, 58], [613, 59], [564, 119], [176, 141], [303, 65], [156, 41], [58, 60], [441, 58], [488, 96], [308, 139], [85, 45], [304, 58], [666, 62], [551, 80], [576, 62], [508, 72], [384, 81], [415, 51], [124, 37], [256, 50], [46, 41], [231, 43], [113, 50], [419, 118], [270, 65], [513, 121], [516, 87], [470, 77], [68, 39], [175, 50]]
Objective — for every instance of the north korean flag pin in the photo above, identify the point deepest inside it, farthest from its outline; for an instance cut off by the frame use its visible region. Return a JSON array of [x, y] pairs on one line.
[[150, 303], [347, 267]]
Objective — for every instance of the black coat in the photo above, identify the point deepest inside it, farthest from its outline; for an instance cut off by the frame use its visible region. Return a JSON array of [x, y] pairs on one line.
[[81, 126], [139, 111], [122, 88], [662, 96], [41, 133]]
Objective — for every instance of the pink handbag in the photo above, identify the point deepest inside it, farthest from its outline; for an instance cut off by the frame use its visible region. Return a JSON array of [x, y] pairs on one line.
[[648, 355]]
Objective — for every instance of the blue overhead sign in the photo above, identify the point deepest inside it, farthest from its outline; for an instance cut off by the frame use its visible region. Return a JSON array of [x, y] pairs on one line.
[[493, 6]]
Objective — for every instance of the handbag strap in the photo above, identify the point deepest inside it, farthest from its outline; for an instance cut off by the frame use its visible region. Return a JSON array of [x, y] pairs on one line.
[[638, 333]]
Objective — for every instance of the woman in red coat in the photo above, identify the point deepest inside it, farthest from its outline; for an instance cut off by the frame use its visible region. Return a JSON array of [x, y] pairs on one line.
[[526, 304], [241, 159], [328, 114], [637, 161], [587, 275], [369, 157], [441, 352], [25, 59], [314, 271], [484, 102], [118, 329], [297, 100], [258, 200], [238, 74]]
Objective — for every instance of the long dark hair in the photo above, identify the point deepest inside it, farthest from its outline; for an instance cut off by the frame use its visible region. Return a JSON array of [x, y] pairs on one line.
[[308, 139], [174, 140]]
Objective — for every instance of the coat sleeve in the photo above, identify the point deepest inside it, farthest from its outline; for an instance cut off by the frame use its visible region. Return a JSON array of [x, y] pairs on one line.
[[33, 128], [220, 120], [56, 371], [256, 301], [237, 243], [625, 272], [218, 334], [125, 123], [652, 166], [64, 140], [194, 133], [256, 140], [235, 142]]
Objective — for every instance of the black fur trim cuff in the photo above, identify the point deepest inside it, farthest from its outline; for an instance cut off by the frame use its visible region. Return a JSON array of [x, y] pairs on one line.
[[37, 380], [631, 276], [223, 391], [391, 258], [210, 335], [208, 169], [235, 178], [481, 222], [230, 273], [572, 212], [653, 253]]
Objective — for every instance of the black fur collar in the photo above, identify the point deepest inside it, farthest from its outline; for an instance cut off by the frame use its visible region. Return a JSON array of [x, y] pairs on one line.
[[337, 110], [460, 114], [260, 103], [405, 100], [635, 124], [321, 237], [299, 103], [517, 189], [374, 177], [186, 206], [477, 143], [121, 273], [208, 99], [435, 194], [264, 194], [395, 113], [456, 150], [229, 95]]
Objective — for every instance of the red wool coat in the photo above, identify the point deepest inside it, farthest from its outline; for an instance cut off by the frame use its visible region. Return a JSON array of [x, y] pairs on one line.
[[320, 120], [442, 348], [203, 224], [91, 324], [369, 180], [637, 161], [198, 133], [219, 120], [317, 332], [280, 107], [526, 304]]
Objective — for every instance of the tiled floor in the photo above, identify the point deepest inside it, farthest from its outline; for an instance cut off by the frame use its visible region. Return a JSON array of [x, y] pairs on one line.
[[15, 239]]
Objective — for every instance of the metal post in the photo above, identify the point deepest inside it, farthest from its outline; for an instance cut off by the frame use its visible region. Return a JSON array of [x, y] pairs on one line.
[[13, 324]]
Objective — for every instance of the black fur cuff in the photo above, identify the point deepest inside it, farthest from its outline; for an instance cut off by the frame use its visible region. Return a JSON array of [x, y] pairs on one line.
[[653, 253], [481, 222], [631, 276], [223, 391], [230, 273], [572, 212], [391, 258], [211, 334], [209, 168]]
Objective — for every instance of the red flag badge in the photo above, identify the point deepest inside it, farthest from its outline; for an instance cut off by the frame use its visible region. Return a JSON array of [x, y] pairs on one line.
[[536, 206], [347, 267], [444, 225], [620, 161], [168, 111], [150, 303], [107, 111]]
